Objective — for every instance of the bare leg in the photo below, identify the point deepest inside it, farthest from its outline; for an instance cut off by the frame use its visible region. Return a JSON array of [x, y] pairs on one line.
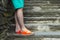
[[17, 25], [19, 15], [20, 21]]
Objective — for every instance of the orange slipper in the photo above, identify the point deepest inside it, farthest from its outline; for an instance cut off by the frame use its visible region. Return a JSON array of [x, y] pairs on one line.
[[26, 33]]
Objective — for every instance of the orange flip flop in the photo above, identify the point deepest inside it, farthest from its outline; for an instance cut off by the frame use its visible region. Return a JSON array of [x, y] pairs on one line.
[[25, 32]]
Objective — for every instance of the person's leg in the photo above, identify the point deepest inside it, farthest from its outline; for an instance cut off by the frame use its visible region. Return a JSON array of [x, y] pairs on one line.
[[19, 17], [20, 22], [17, 29]]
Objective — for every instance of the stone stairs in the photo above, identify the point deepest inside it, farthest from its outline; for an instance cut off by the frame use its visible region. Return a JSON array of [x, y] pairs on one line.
[[42, 12], [42, 16]]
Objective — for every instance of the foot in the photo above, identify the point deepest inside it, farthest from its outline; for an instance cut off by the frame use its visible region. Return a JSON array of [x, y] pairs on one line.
[[24, 31]]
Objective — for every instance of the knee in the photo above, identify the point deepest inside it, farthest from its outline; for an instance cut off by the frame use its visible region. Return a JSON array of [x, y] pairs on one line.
[[19, 9]]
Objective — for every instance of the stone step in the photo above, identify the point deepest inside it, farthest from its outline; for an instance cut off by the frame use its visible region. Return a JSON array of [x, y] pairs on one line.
[[38, 34], [41, 4], [41, 1], [42, 7], [51, 24], [42, 27], [40, 18], [31, 15], [44, 22], [35, 1], [41, 14], [41, 11]]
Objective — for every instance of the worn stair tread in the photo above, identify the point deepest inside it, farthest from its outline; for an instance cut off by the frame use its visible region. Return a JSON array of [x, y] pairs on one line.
[[40, 4], [40, 14], [42, 0], [42, 11], [51, 24], [38, 34], [35, 26], [40, 18], [32, 12]]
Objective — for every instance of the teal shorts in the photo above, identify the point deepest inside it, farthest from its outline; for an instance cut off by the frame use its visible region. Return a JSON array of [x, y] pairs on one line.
[[18, 4]]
